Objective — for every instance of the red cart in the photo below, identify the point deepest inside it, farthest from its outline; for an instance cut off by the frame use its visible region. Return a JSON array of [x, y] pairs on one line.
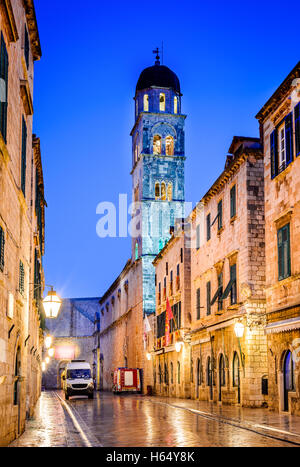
[[127, 380]]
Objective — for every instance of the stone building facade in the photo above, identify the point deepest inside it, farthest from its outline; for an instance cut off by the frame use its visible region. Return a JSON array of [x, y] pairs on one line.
[[280, 132], [158, 197], [72, 338], [171, 369], [224, 266], [21, 220]]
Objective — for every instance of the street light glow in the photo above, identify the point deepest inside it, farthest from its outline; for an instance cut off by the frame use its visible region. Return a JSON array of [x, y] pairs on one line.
[[178, 346], [51, 352], [239, 329], [48, 342], [52, 304]]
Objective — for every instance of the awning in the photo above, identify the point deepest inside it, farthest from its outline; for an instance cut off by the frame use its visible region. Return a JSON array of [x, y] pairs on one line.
[[283, 326]]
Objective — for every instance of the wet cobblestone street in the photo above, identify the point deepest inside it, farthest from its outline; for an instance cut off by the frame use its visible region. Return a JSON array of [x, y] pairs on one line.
[[129, 420]]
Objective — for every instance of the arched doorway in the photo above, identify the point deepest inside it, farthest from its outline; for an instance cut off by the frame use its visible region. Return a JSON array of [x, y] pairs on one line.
[[199, 379], [221, 375], [236, 375], [288, 378], [209, 374]]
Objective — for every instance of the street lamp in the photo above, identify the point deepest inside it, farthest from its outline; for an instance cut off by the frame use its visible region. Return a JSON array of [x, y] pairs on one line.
[[47, 360], [52, 304], [239, 330], [148, 356], [178, 346], [43, 366], [48, 342], [51, 352]]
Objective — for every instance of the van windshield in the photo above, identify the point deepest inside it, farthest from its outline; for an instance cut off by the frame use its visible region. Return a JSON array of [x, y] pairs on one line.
[[79, 374]]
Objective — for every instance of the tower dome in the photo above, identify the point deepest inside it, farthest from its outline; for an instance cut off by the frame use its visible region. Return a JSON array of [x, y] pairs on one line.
[[159, 76]]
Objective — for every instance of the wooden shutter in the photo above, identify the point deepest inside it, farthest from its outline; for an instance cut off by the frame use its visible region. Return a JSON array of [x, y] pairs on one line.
[[198, 237], [26, 47], [274, 154], [198, 304], [220, 215], [208, 294], [2, 245], [289, 138], [297, 129], [208, 226], [23, 162], [284, 254], [4, 77], [233, 201]]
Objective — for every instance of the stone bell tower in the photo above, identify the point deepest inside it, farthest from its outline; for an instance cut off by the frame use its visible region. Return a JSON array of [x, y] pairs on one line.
[[158, 156]]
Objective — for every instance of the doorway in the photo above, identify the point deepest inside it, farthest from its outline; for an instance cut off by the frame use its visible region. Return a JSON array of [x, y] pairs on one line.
[[236, 375], [221, 375], [288, 378], [17, 398]]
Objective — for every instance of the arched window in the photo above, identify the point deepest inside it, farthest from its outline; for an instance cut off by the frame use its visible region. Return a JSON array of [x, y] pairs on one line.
[[170, 192], [157, 144], [136, 251], [178, 372], [146, 103], [208, 372], [175, 105], [157, 190], [289, 371], [169, 146], [162, 102], [166, 374], [236, 370], [199, 372], [222, 370], [192, 371], [172, 373], [163, 191]]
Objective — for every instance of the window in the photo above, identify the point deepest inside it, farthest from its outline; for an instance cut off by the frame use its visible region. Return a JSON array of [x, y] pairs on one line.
[[2, 245], [281, 146], [208, 226], [233, 293], [198, 237], [199, 372], [172, 373], [192, 371], [208, 372], [175, 105], [297, 128], [21, 278], [282, 154], [146, 103], [157, 190], [178, 372], [220, 215], [4, 77], [284, 255], [218, 295], [233, 202], [166, 374], [170, 193], [222, 371], [169, 146], [208, 298], [198, 304], [157, 145], [23, 160], [162, 102], [236, 370], [26, 47]]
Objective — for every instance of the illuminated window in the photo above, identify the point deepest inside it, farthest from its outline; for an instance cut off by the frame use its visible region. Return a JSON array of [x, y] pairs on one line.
[[169, 146], [170, 191], [162, 102], [163, 192], [175, 105], [146, 103], [157, 144], [157, 190]]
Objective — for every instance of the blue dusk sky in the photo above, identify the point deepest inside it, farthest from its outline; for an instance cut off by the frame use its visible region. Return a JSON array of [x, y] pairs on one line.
[[229, 56]]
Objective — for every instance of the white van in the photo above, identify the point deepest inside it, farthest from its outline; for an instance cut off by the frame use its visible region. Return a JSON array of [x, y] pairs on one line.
[[77, 379]]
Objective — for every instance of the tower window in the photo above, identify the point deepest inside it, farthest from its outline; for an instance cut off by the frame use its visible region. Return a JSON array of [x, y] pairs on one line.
[[157, 190], [162, 102], [169, 146], [157, 144], [175, 105], [163, 192], [146, 103], [170, 191]]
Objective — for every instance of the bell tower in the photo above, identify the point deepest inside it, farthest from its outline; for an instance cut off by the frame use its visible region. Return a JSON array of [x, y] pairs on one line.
[[158, 157]]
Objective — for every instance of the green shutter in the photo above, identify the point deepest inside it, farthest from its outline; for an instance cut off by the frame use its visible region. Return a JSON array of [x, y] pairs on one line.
[[23, 156], [284, 253], [208, 297], [233, 201], [220, 215], [274, 154], [289, 138], [198, 304], [297, 128]]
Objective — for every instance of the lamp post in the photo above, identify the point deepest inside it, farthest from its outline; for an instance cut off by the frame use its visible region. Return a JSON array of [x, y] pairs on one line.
[[178, 346], [239, 330]]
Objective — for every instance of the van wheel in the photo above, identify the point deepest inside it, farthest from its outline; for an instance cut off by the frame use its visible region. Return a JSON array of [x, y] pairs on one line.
[[67, 397], [91, 396]]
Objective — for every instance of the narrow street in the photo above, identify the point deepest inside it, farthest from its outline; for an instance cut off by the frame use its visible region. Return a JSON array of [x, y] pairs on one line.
[[139, 421]]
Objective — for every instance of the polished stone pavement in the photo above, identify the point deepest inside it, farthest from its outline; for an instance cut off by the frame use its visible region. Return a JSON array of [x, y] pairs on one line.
[[136, 421]]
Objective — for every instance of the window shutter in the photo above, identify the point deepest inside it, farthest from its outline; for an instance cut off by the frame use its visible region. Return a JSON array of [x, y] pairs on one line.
[[208, 294], [2, 244], [26, 47], [23, 162], [198, 237], [208, 227], [4, 77], [233, 201], [274, 154], [297, 129], [198, 303], [289, 138]]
